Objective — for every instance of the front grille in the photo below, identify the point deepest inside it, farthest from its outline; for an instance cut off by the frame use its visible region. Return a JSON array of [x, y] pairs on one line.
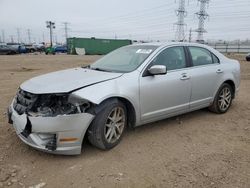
[[24, 101]]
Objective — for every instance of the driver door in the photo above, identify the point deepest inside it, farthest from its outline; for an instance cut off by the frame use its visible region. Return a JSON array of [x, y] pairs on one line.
[[162, 96]]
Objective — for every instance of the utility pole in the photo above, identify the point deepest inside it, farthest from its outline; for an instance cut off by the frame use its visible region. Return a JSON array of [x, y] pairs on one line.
[[51, 26], [12, 38], [66, 29], [190, 35], [3, 36], [28, 33], [18, 35], [43, 37], [181, 14], [202, 16]]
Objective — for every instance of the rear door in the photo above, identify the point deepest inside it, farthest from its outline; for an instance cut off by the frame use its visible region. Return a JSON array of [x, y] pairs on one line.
[[205, 74]]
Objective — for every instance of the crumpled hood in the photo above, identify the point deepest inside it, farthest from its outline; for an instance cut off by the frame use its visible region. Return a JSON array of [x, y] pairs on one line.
[[66, 80]]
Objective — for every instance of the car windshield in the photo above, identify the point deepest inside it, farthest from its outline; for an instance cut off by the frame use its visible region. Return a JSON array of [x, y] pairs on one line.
[[125, 59]]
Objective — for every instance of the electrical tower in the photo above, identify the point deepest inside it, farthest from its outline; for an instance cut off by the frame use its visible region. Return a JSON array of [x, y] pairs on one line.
[[190, 35], [51, 26], [202, 16], [3, 36], [28, 33], [66, 29], [18, 35], [181, 14]]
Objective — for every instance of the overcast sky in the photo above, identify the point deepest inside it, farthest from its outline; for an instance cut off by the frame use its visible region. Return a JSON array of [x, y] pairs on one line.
[[136, 19]]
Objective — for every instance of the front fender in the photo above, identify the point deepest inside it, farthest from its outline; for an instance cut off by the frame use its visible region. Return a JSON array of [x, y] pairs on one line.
[[124, 87]]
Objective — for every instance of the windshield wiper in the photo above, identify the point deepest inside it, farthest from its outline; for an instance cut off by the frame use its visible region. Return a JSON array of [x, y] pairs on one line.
[[99, 69], [85, 66], [96, 68]]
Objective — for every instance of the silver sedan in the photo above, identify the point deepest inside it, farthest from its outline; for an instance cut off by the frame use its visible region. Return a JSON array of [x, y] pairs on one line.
[[131, 86]]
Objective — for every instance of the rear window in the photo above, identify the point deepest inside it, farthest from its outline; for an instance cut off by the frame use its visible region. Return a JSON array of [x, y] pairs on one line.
[[200, 56]]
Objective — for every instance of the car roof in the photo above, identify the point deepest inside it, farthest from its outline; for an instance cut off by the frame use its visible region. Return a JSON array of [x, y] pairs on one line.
[[165, 44], [160, 45]]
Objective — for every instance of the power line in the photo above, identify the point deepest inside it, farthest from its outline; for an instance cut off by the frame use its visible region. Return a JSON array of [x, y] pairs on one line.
[[158, 21], [123, 24]]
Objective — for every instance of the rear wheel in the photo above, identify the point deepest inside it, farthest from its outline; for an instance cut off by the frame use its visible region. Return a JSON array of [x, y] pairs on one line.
[[223, 99], [108, 127]]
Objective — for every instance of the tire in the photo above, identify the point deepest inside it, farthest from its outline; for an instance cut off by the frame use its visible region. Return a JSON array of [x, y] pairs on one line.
[[105, 133], [222, 100]]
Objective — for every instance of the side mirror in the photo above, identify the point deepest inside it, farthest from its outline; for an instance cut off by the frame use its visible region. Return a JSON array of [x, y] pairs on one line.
[[157, 70]]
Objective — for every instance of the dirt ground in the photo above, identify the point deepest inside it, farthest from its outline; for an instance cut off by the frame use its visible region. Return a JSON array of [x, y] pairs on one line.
[[199, 149]]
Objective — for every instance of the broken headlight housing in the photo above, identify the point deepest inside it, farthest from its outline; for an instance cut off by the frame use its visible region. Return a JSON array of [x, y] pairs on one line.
[[50, 105]]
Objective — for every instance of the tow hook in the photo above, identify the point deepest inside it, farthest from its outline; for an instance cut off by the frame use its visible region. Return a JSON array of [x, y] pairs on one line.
[[9, 113], [51, 145]]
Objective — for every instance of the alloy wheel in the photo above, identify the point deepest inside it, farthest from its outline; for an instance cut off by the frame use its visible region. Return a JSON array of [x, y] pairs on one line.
[[114, 125], [225, 98]]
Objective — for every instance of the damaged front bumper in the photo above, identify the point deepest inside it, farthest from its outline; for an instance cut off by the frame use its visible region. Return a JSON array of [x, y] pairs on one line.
[[62, 134]]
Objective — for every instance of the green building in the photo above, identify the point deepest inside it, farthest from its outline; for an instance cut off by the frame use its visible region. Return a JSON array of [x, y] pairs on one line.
[[93, 46]]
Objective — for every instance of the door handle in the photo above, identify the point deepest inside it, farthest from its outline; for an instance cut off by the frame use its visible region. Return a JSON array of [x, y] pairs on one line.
[[185, 77], [219, 71]]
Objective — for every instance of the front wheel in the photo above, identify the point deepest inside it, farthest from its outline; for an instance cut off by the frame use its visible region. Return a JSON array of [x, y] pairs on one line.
[[223, 99], [107, 128]]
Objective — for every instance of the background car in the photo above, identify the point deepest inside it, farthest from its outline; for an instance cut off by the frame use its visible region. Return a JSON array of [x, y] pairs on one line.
[[22, 49], [8, 50], [61, 49], [30, 48], [56, 49], [248, 57]]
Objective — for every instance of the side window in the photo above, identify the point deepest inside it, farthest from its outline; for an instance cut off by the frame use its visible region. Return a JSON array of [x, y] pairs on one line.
[[215, 59], [173, 58], [200, 56]]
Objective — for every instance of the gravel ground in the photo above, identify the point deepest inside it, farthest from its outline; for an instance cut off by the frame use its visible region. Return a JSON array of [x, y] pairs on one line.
[[198, 149]]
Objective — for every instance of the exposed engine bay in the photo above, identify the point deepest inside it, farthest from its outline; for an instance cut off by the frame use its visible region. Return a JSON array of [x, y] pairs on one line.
[[48, 105]]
